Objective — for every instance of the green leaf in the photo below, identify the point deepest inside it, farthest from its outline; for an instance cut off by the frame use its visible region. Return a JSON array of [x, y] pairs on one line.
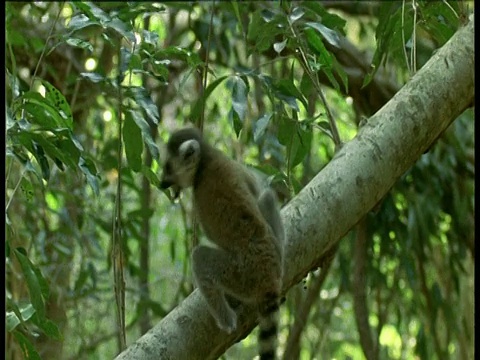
[[43, 110], [67, 135], [94, 12], [263, 29], [28, 349], [178, 53], [132, 138], [437, 298], [289, 100], [173, 251], [254, 27], [146, 133], [29, 167], [316, 44], [260, 126], [286, 89], [125, 57], [237, 15], [157, 308], [145, 102], [303, 142], [296, 137], [279, 46], [25, 139], [81, 280], [199, 104], [80, 21], [328, 34], [44, 288], [27, 311], [19, 315], [393, 28], [49, 327], [440, 20], [325, 60], [27, 189], [11, 320], [151, 176], [421, 348], [93, 77], [340, 71], [14, 37], [51, 147], [54, 104], [237, 123], [291, 143], [10, 123], [59, 102], [315, 10], [33, 282], [150, 37], [239, 97], [123, 28], [286, 129], [82, 44], [296, 14], [69, 150], [88, 168], [325, 127], [39, 154], [159, 70]]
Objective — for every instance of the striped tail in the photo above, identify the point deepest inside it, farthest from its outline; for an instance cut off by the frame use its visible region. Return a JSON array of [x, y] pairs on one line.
[[268, 324]]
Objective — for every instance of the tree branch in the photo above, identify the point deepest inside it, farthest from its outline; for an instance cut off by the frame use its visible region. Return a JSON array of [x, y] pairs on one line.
[[359, 175]]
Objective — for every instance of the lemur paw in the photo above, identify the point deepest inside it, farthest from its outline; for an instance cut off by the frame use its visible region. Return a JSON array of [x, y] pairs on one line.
[[228, 322]]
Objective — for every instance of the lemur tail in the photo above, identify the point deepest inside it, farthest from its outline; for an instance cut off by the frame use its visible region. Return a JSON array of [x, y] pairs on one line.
[[267, 338]]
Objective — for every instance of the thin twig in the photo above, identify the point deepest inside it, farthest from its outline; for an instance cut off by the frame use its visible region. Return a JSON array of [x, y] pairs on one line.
[[205, 68], [404, 47], [414, 38], [45, 46], [117, 248]]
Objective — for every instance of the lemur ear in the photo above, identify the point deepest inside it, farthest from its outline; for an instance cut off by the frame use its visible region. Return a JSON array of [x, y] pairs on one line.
[[188, 149]]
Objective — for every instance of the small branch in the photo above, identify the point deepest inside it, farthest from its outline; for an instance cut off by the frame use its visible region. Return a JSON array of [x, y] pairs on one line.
[[359, 289], [205, 69], [145, 199], [404, 48]]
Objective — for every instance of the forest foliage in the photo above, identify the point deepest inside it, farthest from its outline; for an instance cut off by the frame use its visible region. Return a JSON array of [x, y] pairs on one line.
[[93, 246]]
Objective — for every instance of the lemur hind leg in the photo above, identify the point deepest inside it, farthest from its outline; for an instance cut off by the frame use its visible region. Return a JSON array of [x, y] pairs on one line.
[[216, 274]]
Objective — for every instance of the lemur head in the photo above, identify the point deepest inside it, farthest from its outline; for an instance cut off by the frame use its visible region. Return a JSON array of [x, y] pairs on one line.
[[183, 158]]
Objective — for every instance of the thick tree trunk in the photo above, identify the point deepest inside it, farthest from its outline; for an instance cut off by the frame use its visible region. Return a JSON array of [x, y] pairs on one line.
[[360, 174]]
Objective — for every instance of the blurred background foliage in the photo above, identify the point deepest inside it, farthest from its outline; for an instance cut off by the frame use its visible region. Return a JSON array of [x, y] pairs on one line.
[[277, 85]]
